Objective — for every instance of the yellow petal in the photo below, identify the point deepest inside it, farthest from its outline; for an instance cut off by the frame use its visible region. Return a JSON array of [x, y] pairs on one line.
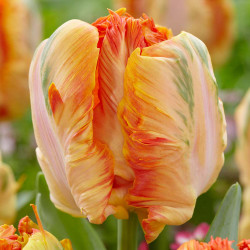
[[62, 97], [41, 241], [174, 129], [33, 236], [66, 243]]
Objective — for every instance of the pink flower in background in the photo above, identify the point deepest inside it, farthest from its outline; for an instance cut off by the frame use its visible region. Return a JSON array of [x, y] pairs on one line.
[[143, 246], [201, 231], [198, 234]]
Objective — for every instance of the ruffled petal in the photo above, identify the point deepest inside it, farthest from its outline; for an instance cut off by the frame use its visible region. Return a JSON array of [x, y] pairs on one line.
[[119, 36], [174, 129], [67, 73], [194, 245]]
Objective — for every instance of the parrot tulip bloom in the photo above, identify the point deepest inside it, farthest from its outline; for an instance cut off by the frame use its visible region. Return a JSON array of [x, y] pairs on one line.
[[126, 118], [19, 31], [8, 189], [210, 20], [242, 117], [32, 236]]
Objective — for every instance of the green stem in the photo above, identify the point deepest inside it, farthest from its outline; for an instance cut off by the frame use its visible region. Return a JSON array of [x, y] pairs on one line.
[[162, 241], [127, 233]]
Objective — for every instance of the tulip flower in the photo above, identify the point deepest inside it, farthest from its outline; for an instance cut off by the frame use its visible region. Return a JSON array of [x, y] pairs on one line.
[[213, 244], [127, 119], [32, 236], [8, 189], [19, 33], [210, 20], [242, 117]]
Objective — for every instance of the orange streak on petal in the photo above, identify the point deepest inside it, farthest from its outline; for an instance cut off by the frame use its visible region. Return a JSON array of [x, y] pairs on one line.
[[54, 98]]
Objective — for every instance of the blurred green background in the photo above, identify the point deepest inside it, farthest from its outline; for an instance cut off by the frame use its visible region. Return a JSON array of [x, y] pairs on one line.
[[233, 80]]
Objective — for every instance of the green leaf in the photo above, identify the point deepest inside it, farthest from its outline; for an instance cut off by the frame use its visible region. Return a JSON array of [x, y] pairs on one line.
[[225, 223], [62, 225]]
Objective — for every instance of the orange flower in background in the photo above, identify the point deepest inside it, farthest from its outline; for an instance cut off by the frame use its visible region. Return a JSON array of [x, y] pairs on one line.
[[210, 20], [244, 245], [19, 33], [8, 189], [193, 245], [32, 236], [242, 118], [213, 244], [127, 119]]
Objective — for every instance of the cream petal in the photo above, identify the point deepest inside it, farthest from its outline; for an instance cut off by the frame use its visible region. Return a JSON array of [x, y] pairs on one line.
[[48, 151], [67, 72], [242, 157], [242, 118]]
